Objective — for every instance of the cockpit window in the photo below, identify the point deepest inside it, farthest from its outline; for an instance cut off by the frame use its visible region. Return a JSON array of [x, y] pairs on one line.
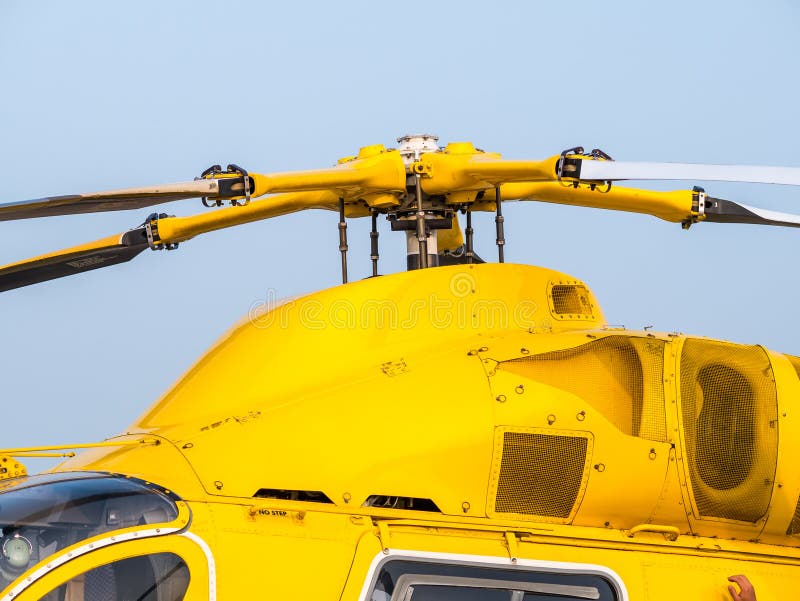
[[40, 515]]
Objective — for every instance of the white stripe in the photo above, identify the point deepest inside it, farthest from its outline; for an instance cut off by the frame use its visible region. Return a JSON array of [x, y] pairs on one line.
[[615, 170], [200, 187], [59, 560], [773, 215], [212, 567]]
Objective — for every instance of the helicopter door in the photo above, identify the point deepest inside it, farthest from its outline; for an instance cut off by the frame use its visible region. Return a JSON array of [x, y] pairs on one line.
[[171, 568]]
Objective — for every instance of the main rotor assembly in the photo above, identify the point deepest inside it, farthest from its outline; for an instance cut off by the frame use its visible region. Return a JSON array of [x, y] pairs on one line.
[[418, 186]]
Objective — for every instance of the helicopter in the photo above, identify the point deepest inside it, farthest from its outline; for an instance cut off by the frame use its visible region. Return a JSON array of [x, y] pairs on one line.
[[461, 430]]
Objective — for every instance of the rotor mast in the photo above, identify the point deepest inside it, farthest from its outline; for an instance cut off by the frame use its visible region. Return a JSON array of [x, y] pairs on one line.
[[418, 223]]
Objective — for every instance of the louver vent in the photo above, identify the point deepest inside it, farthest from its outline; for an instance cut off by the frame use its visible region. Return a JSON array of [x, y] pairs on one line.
[[539, 473]]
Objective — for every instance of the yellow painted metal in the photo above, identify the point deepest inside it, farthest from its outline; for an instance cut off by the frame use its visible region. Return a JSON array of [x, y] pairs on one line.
[[670, 532], [375, 170], [179, 229], [83, 445], [462, 167], [400, 387], [185, 548], [10, 467], [452, 238], [44, 454], [412, 412], [675, 206]]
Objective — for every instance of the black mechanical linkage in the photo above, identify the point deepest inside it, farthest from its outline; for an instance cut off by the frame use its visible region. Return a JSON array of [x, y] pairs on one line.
[[343, 240], [470, 253], [501, 240], [422, 237], [373, 240]]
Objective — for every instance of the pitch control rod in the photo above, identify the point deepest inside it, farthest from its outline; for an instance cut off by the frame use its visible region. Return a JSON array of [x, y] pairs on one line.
[[422, 238], [498, 220], [343, 240], [373, 240]]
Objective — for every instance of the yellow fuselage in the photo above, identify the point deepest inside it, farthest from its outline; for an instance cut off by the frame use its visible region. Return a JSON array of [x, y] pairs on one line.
[[478, 415]]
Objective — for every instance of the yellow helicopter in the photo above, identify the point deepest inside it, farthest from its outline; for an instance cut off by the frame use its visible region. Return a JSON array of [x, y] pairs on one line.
[[462, 430]]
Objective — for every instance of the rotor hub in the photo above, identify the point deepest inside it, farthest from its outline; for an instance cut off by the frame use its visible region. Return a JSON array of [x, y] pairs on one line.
[[411, 146]]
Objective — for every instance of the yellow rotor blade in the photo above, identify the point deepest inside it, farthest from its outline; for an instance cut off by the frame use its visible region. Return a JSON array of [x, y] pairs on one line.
[[377, 175], [108, 251], [164, 231]]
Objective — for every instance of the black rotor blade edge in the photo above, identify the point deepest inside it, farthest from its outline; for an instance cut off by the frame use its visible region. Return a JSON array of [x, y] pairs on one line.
[[51, 268]]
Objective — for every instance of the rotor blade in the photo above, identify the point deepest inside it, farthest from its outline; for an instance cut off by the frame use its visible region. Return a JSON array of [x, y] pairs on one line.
[[165, 231], [594, 170], [78, 259], [114, 200], [719, 210], [682, 206], [376, 175]]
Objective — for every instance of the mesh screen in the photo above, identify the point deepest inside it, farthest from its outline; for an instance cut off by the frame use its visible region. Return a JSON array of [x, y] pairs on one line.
[[794, 527], [540, 474], [621, 377], [730, 413], [795, 363], [571, 299]]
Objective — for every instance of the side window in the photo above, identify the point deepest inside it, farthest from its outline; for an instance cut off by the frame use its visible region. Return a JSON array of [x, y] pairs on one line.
[[157, 577], [402, 580]]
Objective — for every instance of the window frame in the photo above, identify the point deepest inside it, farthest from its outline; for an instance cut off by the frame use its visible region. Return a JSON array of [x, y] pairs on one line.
[[480, 561], [188, 546], [404, 588]]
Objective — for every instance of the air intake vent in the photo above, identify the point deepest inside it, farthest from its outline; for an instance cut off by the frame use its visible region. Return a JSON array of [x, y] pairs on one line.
[[409, 503], [538, 473], [570, 300], [312, 496], [730, 428], [622, 377]]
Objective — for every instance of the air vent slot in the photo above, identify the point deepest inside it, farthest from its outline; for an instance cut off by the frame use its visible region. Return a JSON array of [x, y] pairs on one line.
[[570, 300], [409, 503], [539, 473], [730, 428], [311, 496]]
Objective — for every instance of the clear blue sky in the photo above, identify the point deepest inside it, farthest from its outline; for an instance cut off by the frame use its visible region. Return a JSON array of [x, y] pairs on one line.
[[100, 95]]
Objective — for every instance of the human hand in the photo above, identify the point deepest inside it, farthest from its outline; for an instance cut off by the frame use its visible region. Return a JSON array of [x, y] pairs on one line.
[[746, 591]]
